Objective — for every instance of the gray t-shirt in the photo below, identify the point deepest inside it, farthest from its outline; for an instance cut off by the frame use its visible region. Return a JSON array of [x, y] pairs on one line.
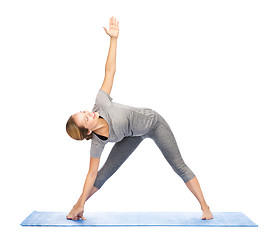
[[123, 121]]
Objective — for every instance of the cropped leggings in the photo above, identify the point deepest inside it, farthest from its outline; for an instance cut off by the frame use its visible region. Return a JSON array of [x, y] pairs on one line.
[[164, 139]]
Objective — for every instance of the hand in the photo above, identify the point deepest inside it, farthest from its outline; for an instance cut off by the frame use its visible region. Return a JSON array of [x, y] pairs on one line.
[[207, 215], [76, 213], [113, 28]]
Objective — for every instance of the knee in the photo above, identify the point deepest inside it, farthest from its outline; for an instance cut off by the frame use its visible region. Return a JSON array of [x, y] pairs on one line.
[[184, 172]]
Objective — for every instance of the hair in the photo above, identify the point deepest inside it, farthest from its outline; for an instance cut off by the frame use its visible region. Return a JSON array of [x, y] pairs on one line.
[[75, 132]]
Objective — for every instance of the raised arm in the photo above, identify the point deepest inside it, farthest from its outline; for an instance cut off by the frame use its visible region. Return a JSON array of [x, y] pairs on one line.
[[110, 67]]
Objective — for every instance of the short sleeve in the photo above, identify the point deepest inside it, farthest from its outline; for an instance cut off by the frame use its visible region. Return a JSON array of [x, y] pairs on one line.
[[96, 150], [103, 99]]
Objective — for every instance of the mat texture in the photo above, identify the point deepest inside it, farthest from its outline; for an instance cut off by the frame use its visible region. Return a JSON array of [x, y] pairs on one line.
[[108, 219]]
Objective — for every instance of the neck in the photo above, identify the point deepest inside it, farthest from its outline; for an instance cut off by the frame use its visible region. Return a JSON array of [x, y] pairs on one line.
[[101, 127]]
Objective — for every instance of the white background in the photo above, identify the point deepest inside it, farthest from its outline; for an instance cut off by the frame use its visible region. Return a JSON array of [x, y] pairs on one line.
[[205, 66]]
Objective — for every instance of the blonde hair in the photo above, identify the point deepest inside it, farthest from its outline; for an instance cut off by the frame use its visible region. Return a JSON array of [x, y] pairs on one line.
[[75, 132]]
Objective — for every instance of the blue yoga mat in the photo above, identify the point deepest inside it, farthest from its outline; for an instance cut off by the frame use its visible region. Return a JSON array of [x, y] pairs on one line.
[[108, 219]]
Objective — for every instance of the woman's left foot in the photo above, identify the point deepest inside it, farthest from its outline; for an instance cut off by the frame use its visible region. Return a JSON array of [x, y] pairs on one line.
[[207, 215]]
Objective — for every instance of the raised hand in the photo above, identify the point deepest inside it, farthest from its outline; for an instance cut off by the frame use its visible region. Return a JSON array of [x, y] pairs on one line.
[[113, 28]]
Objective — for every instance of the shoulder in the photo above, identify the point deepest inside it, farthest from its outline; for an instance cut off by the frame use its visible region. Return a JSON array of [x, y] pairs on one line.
[[103, 98], [103, 92]]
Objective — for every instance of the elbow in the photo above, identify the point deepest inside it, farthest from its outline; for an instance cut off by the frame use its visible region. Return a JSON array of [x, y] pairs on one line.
[[110, 69], [93, 167]]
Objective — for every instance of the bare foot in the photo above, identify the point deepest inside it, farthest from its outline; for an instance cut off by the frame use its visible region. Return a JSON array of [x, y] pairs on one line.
[[207, 215]]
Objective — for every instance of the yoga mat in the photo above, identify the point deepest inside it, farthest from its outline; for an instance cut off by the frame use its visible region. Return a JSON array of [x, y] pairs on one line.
[[108, 219]]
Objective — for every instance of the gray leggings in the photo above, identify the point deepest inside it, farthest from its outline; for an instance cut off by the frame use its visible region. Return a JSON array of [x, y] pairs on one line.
[[164, 139]]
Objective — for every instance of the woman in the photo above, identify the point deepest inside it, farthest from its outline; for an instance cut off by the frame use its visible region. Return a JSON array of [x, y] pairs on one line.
[[126, 126]]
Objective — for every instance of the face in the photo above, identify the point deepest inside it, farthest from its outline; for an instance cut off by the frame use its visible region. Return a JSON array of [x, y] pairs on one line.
[[86, 119]]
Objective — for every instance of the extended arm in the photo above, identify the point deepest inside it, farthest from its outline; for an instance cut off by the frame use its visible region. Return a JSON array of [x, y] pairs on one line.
[[78, 209], [90, 179], [110, 67]]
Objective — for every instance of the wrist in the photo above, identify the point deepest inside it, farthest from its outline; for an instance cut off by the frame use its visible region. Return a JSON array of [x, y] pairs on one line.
[[78, 205], [81, 202]]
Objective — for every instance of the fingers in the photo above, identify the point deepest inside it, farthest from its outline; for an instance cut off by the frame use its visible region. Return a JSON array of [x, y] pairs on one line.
[[69, 216], [80, 216], [72, 218], [105, 30], [76, 218], [112, 21]]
